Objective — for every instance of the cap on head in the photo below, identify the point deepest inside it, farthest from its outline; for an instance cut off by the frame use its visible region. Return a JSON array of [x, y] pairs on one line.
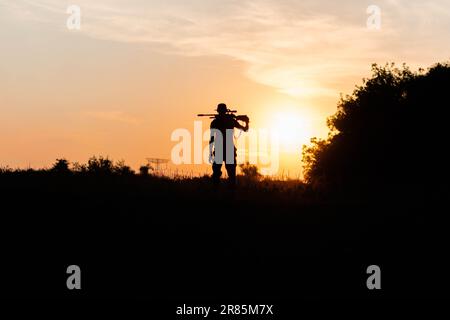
[[222, 108]]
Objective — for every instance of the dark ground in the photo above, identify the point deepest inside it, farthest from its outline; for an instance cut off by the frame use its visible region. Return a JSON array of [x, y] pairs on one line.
[[150, 238]]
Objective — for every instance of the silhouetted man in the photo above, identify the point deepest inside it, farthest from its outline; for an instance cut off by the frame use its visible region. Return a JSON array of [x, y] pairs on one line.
[[222, 141]]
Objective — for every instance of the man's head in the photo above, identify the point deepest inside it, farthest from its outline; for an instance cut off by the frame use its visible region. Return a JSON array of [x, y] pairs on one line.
[[222, 108]]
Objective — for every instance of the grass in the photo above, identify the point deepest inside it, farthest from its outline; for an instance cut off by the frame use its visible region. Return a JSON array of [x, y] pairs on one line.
[[184, 238]]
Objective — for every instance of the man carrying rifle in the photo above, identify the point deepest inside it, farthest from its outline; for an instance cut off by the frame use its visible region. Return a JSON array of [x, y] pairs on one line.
[[221, 144]]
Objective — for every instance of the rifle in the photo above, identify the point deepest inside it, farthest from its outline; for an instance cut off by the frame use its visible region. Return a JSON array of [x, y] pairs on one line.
[[244, 118]]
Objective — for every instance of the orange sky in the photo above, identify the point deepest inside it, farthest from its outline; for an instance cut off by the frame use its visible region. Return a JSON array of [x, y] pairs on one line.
[[138, 70]]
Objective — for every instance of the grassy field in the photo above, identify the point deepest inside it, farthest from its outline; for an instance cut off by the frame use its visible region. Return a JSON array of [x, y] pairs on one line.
[[141, 236]]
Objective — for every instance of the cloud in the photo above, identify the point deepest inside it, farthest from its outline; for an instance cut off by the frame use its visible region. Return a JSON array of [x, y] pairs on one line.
[[301, 49]]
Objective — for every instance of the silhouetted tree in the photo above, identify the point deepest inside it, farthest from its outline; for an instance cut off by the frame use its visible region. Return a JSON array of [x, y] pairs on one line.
[[61, 166], [100, 165], [391, 130]]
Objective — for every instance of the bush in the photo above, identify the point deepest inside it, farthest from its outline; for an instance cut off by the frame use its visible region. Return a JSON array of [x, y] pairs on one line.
[[121, 168], [250, 171], [144, 170]]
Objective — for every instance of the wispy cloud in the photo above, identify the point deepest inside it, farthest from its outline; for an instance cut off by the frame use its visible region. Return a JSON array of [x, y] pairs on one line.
[[302, 49]]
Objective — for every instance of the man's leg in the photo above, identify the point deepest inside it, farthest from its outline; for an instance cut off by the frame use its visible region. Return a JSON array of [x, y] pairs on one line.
[[231, 170], [217, 172]]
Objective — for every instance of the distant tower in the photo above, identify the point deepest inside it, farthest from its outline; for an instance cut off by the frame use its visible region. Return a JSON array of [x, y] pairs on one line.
[[156, 163]]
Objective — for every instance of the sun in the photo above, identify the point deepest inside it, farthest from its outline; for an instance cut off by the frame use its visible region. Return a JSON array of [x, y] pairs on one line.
[[292, 130]]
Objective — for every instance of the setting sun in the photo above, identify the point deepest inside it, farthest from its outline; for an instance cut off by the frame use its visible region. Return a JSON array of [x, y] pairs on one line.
[[292, 129]]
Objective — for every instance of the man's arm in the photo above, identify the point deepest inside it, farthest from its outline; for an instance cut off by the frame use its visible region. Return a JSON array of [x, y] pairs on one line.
[[241, 127]]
